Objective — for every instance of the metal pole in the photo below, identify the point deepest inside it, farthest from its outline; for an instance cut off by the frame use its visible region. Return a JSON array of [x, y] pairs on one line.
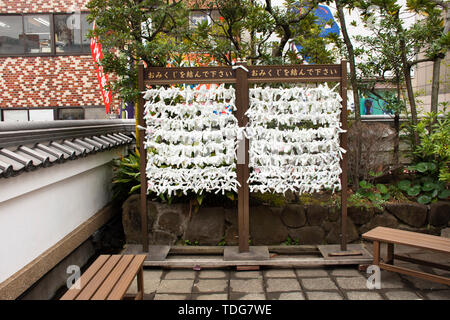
[[344, 161], [143, 159], [242, 170]]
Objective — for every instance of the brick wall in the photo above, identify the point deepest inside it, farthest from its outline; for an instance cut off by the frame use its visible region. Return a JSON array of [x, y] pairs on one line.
[[48, 81], [48, 6]]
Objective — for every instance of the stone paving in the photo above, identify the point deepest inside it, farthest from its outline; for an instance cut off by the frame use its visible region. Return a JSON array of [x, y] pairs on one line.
[[321, 283], [331, 283]]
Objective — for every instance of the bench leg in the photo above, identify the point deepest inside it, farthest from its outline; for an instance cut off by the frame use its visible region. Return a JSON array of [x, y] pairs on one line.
[[390, 253], [376, 253], [140, 284]]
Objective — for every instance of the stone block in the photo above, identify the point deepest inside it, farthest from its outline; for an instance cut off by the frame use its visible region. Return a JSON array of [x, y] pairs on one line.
[[413, 214], [207, 226], [293, 216], [360, 215], [266, 227], [316, 214], [282, 285], [308, 235], [333, 235], [326, 295], [440, 213], [318, 284], [380, 220], [211, 285]]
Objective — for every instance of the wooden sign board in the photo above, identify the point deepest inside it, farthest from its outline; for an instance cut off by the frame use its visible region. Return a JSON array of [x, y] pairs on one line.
[[242, 75], [256, 74]]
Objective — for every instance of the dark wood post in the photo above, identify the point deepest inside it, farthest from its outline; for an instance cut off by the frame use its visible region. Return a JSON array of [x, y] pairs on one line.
[[344, 161], [143, 159], [242, 169]]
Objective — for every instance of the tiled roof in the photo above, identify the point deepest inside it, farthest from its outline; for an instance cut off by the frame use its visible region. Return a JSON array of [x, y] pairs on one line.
[[40, 154]]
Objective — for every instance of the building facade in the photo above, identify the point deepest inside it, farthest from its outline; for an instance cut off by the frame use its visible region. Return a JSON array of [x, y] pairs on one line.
[[46, 68]]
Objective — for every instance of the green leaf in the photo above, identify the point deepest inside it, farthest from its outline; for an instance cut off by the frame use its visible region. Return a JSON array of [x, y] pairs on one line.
[[382, 188], [424, 199], [404, 185], [444, 194], [428, 186], [435, 193], [365, 185], [200, 199], [414, 191], [230, 195], [134, 188], [422, 167]]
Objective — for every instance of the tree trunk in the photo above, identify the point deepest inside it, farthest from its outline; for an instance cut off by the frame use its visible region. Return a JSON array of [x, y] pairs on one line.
[[353, 81], [435, 85], [407, 75], [437, 70]]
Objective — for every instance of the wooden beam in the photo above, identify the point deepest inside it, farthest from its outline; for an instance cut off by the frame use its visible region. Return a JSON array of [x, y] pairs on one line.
[[256, 74], [142, 159], [242, 169], [420, 261], [344, 161], [418, 274]]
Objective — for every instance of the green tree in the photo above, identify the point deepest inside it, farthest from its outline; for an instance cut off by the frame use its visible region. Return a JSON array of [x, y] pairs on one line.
[[400, 45], [133, 30], [436, 24], [246, 29]]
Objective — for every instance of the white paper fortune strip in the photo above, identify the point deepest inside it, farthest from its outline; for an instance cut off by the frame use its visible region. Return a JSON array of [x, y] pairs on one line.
[[192, 137], [284, 157]]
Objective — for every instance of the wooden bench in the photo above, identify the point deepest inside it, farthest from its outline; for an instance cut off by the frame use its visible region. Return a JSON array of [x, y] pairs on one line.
[[109, 278], [407, 238]]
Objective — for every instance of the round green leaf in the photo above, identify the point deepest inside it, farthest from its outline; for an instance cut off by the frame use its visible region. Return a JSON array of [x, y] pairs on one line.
[[444, 194], [382, 188], [414, 191], [435, 193], [431, 166], [428, 186], [424, 199], [422, 166], [404, 185]]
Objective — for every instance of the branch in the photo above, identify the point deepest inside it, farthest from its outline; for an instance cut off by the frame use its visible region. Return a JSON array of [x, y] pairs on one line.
[[412, 63]]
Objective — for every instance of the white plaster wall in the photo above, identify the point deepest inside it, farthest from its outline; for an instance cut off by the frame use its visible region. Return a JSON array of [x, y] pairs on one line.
[[39, 208]]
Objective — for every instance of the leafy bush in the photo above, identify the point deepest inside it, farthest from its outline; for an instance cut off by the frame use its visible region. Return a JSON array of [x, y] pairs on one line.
[[426, 187], [370, 195], [126, 179], [433, 150]]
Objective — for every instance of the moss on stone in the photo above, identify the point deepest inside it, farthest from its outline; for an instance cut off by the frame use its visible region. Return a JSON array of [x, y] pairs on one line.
[[272, 199]]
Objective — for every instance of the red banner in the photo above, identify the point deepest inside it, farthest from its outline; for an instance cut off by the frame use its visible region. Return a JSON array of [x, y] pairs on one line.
[[97, 54]]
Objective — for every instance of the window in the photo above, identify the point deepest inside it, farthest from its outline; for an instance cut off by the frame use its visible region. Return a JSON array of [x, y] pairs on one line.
[[15, 115], [71, 33], [11, 40], [38, 114], [75, 113], [37, 34], [85, 27]]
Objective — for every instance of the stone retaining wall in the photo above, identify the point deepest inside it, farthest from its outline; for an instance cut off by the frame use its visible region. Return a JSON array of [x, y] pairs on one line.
[[269, 225]]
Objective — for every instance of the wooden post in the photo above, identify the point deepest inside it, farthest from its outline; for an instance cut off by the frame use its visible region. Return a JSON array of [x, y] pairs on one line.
[[344, 161], [390, 253], [376, 253], [143, 159], [242, 170]]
